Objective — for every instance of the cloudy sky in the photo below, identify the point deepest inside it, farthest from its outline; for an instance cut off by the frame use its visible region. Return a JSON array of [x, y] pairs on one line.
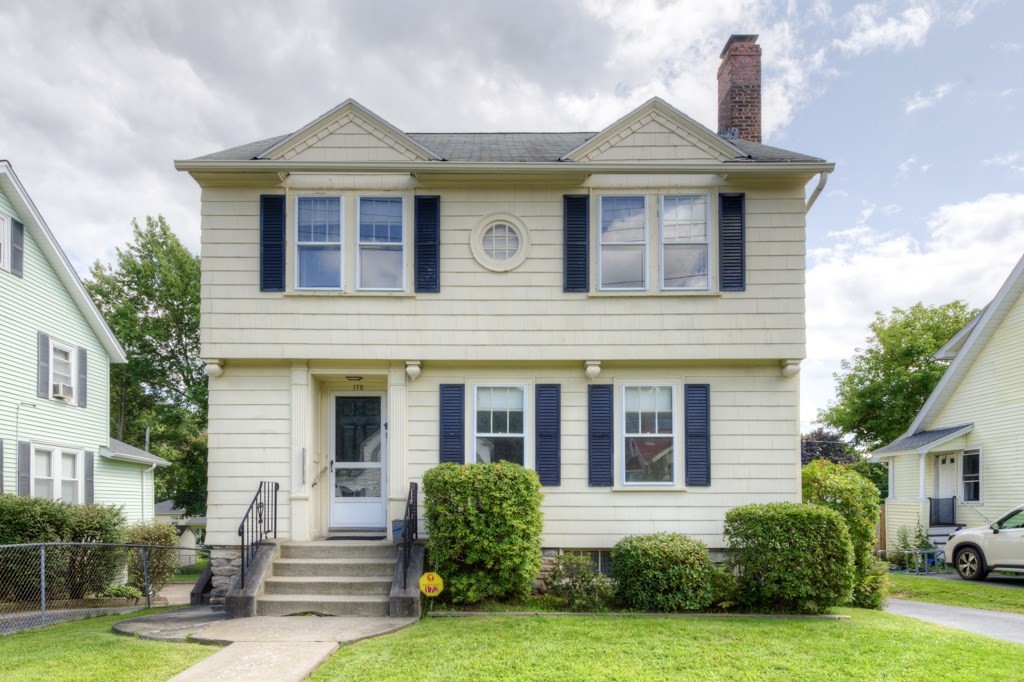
[[917, 101]]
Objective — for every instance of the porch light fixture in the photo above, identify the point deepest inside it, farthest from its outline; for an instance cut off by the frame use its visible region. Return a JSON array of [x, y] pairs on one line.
[[413, 369], [354, 378], [790, 368], [213, 368], [592, 368]]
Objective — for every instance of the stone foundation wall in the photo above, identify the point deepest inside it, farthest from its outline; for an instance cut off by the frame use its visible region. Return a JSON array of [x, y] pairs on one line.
[[225, 563]]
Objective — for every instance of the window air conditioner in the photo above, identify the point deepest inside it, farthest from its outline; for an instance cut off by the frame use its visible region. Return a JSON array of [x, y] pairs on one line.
[[63, 391]]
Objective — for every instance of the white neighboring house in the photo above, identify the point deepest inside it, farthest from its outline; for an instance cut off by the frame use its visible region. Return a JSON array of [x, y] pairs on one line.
[[189, 528], [961, 461], [620, 310], [54, 371]]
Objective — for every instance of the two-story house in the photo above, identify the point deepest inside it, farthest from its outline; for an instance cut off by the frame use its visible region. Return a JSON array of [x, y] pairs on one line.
[[55, 354], [620, 310]]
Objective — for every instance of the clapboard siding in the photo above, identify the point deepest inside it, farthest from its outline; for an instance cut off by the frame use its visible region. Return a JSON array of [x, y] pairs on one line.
[[125, 484]]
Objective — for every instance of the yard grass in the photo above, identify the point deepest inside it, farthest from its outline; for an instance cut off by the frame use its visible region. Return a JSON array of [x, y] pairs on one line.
[[957, 593], [189, 574], [869, 646], [89, 650]]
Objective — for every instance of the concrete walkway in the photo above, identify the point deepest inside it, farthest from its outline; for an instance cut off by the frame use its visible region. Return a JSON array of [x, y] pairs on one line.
[[998, 624], [280, 648]]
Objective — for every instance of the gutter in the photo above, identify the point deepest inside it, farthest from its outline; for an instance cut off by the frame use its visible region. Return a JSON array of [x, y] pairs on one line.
[[822, 181]]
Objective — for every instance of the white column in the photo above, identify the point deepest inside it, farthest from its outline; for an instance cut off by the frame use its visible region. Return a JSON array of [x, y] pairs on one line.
[[397, 447], [300, 482]]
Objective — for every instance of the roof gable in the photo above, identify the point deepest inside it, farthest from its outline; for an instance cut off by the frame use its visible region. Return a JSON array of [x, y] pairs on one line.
[[655, 131], [349, 132], [34, 224]]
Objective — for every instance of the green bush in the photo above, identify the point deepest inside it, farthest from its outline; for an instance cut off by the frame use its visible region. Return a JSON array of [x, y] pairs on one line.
[[33, 519], [583, 588], [856, 499], [725, 588], [116, 591], [662, 572], [161, 562], [790, 558], [484, 522]]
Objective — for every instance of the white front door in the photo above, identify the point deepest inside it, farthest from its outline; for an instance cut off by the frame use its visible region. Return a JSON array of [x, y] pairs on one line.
[[945, 476], [358, 452]]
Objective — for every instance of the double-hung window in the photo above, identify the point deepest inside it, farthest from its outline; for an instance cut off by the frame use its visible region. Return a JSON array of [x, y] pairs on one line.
[[500, 433], [57, 474], [649, 442], [318, 243], [684, 242], [62, 370], [623, 244], [381, 262], [971, 465]]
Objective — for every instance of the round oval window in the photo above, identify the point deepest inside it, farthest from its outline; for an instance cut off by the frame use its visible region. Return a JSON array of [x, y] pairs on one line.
[[501, 242]]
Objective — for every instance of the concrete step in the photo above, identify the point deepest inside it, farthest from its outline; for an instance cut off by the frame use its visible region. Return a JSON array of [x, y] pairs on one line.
[[332, 605], [382, 568], [340, 549], [325, 585]]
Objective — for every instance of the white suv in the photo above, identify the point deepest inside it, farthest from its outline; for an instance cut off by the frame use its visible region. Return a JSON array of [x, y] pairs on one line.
[[998, 547]]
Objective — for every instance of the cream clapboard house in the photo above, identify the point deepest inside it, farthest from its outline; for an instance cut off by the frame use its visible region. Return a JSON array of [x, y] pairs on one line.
[[54, 383], [622, 311], [961, 461]]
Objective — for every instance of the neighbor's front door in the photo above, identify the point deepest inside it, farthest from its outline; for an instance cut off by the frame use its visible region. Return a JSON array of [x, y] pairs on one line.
[[945, 476], [358, 452]]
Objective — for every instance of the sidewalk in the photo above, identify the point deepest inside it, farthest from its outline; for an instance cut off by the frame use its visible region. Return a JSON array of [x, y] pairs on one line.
[[280, 648], [998, 624]]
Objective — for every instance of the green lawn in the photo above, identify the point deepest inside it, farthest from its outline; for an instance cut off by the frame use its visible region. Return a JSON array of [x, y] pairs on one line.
[[957, 593], [869, 646], [89, 650]]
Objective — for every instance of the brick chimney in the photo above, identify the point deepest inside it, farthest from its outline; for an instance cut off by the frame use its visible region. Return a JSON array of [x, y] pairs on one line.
[[739, 89]]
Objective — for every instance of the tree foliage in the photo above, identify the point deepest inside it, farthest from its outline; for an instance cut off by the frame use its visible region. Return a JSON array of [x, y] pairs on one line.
[[824, 444], [880, 391], [150, 298]]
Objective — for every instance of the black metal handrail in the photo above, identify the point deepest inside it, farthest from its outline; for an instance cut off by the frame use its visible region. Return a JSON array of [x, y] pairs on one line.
[[410, 531], [259, 522], [942, 511]]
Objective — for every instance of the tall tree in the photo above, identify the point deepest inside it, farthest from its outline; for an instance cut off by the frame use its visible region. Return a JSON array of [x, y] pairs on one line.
[[880, 391], [824, 444], [150, 298]]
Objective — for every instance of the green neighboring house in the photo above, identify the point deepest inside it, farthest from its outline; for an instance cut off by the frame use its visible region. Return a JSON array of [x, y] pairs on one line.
[[55, 355]]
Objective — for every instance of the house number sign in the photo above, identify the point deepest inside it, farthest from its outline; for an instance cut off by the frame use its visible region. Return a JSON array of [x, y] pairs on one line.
[[431, 584]]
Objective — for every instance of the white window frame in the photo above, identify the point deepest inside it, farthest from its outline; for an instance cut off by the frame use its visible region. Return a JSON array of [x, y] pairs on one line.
[[706, 243], [961, 472], [73, 354], [601, 243], [360, 244], [6, 242], [341, 242], [677, 439], [56, 469], [527, 421]]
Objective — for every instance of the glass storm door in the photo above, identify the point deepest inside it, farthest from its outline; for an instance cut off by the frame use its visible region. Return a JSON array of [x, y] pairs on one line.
[[358, 451]]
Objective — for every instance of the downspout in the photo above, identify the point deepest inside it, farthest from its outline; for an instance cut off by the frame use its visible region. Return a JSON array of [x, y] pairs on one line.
[[822, 181]]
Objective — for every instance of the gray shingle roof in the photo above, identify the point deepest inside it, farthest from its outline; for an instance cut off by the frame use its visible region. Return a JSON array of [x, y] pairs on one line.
[[920, 439], [119, 448]]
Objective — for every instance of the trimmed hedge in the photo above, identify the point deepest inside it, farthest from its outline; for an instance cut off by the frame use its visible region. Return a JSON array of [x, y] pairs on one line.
[[484, 522], [33, 519], [663, 572], [790, 558]]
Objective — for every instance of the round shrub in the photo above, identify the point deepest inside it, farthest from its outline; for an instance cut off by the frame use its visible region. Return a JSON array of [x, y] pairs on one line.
[[161, 560], [790, 558], [484, 522], [584, 589], [663, 572]]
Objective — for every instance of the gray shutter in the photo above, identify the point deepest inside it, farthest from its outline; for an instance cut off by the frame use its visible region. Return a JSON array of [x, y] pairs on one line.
[[452, 447], [549, 433], [697, 433], [88, 476], [17, 248], [81, 390], [24, 474], [43, 374], [600, 434]]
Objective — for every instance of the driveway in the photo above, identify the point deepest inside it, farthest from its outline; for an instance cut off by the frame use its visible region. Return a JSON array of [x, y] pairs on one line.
[[998, 624]]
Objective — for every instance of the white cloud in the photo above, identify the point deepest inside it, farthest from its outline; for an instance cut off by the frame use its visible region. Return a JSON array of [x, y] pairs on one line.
[[869, 31], [1009, 160], [924, 100], [911, 165], [968, 251]]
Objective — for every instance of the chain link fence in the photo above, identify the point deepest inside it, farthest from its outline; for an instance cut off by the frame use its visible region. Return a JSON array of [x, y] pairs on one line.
[[47, 583]]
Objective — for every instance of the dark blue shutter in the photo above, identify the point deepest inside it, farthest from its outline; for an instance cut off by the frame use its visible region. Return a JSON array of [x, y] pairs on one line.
[[427, 240], [600, 443], [697, 434], [81, 390], [732, 270], [549, 433], [452, 447], [43, 366], [272, 242], [89, 477], [24, 473], [576, 227], [17, 248]]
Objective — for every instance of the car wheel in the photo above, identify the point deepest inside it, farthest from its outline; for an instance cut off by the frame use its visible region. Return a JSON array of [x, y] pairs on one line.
[[970, 565]]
